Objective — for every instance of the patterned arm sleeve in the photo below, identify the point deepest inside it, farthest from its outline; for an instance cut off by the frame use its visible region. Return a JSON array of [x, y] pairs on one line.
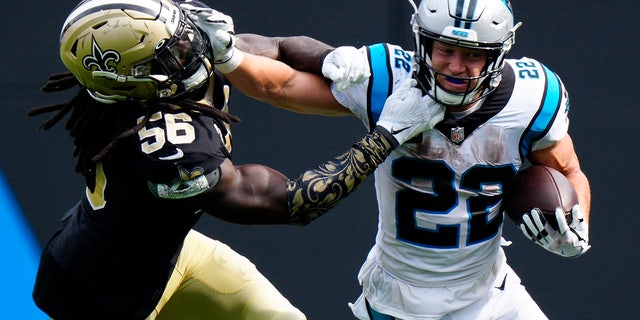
[[318, 190]]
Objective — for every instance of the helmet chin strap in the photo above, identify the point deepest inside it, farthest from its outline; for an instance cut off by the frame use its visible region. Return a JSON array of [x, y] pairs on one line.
[[113, 98], [106, 99], [196, 79], [456, 99], [451, 99]]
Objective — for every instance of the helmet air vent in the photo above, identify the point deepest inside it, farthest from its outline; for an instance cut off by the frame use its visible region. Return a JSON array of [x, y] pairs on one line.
[[74, 49], [99, 25]]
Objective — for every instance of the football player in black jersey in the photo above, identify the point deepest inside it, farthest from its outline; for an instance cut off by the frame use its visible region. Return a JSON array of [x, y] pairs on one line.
[[152, 139]]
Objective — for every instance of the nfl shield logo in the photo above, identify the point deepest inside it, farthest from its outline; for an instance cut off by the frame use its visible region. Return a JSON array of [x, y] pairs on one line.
[[457, 134]]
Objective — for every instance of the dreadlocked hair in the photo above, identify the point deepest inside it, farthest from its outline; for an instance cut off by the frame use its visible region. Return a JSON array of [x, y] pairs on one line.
[[96, 127]]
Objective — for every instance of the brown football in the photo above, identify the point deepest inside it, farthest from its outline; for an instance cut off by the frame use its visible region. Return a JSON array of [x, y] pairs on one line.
[[539, 187]]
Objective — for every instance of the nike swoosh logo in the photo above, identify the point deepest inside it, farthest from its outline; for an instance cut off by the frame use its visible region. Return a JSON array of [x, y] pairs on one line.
[[179, 154], [504, 281], [398, 131]]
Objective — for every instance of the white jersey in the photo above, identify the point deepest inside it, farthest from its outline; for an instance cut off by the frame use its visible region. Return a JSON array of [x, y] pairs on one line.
[[439, 194]]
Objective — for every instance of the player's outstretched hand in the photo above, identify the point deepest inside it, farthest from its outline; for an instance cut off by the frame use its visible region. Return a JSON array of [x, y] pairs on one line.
[[407, 112], [220, 31], [346, 66], [568, 241]]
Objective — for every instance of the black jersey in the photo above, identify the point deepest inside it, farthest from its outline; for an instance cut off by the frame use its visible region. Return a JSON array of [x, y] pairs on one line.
[[119, 244]]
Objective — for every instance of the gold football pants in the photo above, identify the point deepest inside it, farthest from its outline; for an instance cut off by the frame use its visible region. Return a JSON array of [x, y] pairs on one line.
[[213, 282]]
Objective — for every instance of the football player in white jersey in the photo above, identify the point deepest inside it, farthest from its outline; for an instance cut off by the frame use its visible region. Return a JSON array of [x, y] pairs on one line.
[[438, 250]]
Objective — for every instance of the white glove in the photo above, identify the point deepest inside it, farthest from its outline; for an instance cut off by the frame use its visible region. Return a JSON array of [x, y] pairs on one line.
[[568, 241], [346, 66], [407, 112], [219, 28]]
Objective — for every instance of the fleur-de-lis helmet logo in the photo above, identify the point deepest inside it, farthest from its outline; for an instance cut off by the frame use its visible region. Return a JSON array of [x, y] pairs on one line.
[[101, 60]]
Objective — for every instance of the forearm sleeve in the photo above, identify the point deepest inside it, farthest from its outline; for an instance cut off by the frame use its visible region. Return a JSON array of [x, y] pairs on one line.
[[300, 52], [316, 191], [304, 53]]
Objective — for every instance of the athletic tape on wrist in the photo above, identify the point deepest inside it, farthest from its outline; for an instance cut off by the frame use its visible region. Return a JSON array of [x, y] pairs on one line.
[[230, 64]]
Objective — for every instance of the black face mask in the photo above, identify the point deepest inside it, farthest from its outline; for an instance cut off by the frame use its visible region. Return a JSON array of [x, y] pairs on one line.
[[180, 63]]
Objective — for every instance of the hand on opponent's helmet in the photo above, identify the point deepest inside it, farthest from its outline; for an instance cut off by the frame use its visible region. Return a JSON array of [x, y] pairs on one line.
[[346, 66], [407, 112], [569, 240], [220, 31]]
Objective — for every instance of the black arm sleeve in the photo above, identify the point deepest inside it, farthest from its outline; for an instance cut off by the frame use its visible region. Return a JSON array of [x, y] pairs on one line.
[[316, 191], [300, 52], [304, 53]]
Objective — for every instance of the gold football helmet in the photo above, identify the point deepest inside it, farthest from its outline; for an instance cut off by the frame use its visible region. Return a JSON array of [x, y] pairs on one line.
[[134, 50]]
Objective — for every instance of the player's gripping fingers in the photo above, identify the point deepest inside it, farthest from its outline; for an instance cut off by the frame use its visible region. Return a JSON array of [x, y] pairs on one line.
[[359, 71], [207, 14], [408, 91], [529, 228], [346, 66], [538, 218], [527, 233], [535, 223], [218, 19], [580, 227], [563, 227], [194, 12], [577, 217], [191, 9], [226, 57], [208, 19], [577, 213], [332, 72], [224, 41], [578, 224], [407, 113], [547, 234]]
